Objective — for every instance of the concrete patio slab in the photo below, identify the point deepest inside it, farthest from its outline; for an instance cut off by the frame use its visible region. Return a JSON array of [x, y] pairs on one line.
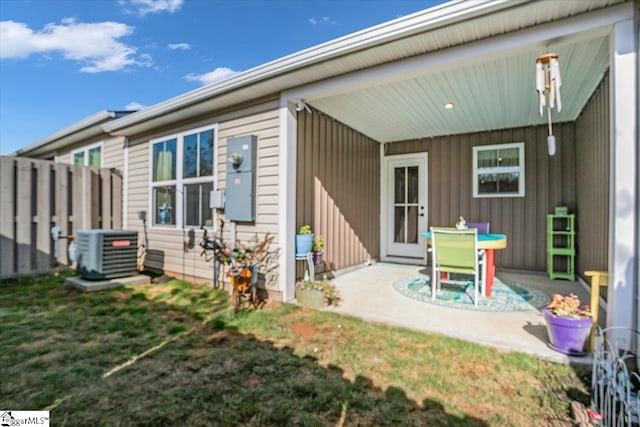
[[367, 293]]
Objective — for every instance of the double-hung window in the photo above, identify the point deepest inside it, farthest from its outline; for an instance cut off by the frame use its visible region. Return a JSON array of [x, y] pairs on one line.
[[90, 155], [182, 177], [498, 170]]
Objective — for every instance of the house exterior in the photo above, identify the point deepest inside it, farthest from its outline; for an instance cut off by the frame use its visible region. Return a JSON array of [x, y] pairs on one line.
[[83, 143], [353, 138]]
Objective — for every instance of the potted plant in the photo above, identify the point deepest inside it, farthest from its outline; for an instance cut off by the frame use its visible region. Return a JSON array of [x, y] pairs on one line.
[[568, 324], [316, 293], [304, 240], [318, 249]]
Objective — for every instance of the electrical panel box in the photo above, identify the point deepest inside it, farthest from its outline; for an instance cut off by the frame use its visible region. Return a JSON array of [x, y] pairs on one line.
[[240, 193], [216, 199]]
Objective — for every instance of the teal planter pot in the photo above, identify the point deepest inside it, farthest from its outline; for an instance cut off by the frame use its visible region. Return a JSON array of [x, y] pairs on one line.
[[304, 243]]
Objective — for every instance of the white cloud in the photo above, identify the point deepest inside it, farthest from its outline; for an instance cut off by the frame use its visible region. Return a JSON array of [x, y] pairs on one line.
[[216, 75], [95, 45], [325, 20], [179, 46], [133, 106], [144, 7]]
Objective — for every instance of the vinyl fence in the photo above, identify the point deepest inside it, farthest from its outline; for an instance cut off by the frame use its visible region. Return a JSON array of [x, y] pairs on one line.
[[36, 195]]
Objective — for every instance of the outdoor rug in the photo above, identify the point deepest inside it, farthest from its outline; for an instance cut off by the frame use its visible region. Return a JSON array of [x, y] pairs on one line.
[[505, 297]]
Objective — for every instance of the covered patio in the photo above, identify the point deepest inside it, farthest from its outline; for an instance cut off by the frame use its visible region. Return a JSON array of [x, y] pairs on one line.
[[367, 293], [409, 113]]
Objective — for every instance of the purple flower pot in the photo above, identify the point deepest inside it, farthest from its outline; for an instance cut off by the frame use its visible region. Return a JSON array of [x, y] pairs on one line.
[[567, 335]]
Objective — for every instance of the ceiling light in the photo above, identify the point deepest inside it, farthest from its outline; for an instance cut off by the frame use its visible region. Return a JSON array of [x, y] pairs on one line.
[[448, 105]]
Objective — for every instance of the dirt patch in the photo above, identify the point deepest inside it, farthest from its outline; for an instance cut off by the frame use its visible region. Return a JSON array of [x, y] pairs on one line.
[[404, 353], [304, 329]]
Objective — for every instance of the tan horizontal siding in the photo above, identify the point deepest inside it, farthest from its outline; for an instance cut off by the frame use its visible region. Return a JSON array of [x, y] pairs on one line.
[[113, 153], [63, 157], [138, 185], [168, 248]]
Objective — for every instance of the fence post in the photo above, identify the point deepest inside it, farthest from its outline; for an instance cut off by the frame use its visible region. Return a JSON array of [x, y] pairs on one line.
[[116, 197], [42, 217], [62, 203], [7, 217], [105, 195]]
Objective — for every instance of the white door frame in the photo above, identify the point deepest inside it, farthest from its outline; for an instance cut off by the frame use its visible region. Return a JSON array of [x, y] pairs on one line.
[[384, 207]]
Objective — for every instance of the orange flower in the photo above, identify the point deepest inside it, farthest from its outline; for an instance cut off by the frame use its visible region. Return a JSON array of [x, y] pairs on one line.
[[568, 306]]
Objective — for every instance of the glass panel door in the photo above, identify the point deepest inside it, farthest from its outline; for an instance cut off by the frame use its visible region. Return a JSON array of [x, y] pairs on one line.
[[407, 205]]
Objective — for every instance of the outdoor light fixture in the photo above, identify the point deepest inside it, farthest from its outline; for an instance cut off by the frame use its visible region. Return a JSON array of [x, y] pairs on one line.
[[548, 84], [300, 105], [448, 105]]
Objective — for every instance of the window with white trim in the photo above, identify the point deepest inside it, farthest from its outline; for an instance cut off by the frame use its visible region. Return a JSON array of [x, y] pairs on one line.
[[183, 175], [498, 170], [91, 155]]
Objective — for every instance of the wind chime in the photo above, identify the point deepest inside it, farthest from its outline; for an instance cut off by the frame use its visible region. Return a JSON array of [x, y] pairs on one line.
[[548, 84]]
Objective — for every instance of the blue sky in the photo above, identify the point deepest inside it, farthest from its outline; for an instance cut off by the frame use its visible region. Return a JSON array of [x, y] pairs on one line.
[[61, 61]]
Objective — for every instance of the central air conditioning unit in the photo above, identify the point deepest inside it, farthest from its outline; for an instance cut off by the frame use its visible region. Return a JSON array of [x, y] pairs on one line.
[[107, 254]]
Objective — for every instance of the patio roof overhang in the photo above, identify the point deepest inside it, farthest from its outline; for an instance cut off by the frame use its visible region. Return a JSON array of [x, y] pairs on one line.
[[390, 81], [490, 82]]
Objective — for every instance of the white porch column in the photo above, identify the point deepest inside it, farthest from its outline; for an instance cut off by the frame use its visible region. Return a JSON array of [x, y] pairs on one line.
[[623, 264], [287, 199]]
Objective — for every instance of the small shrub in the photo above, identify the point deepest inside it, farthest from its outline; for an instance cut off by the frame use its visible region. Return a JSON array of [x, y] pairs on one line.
[[318, 244], [328, 289], [305, 229]]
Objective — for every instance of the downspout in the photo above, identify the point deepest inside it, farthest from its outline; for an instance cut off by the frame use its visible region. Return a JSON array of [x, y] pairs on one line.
[[636, 26], [125, 183]]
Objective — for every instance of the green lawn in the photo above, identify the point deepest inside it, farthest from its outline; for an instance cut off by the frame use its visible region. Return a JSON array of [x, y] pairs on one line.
[[174, 354]]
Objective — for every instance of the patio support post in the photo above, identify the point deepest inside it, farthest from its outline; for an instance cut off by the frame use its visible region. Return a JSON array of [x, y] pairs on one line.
[[287, 206], [622, 295]]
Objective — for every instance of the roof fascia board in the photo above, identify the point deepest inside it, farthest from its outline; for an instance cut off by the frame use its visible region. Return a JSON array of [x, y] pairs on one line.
[[545, 36], [158, 132], [87, 127], [426, 20]]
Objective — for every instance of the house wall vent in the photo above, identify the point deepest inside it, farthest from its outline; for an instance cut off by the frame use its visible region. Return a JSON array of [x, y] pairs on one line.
[[107, 254]]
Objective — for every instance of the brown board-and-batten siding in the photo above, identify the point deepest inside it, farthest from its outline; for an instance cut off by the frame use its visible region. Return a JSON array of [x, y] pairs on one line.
[[338, 189], [592, 159], [171, 249], [549, 182]]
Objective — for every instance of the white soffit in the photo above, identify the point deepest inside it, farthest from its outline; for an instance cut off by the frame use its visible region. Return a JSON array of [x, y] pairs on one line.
[[496, 94], [451, 24]]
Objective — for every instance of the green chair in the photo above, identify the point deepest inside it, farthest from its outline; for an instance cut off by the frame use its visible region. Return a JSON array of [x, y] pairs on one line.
[[454, 251]]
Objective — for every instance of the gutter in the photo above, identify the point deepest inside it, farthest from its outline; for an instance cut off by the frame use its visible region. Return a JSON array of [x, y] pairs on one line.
[[430, 19], [65, 135]]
